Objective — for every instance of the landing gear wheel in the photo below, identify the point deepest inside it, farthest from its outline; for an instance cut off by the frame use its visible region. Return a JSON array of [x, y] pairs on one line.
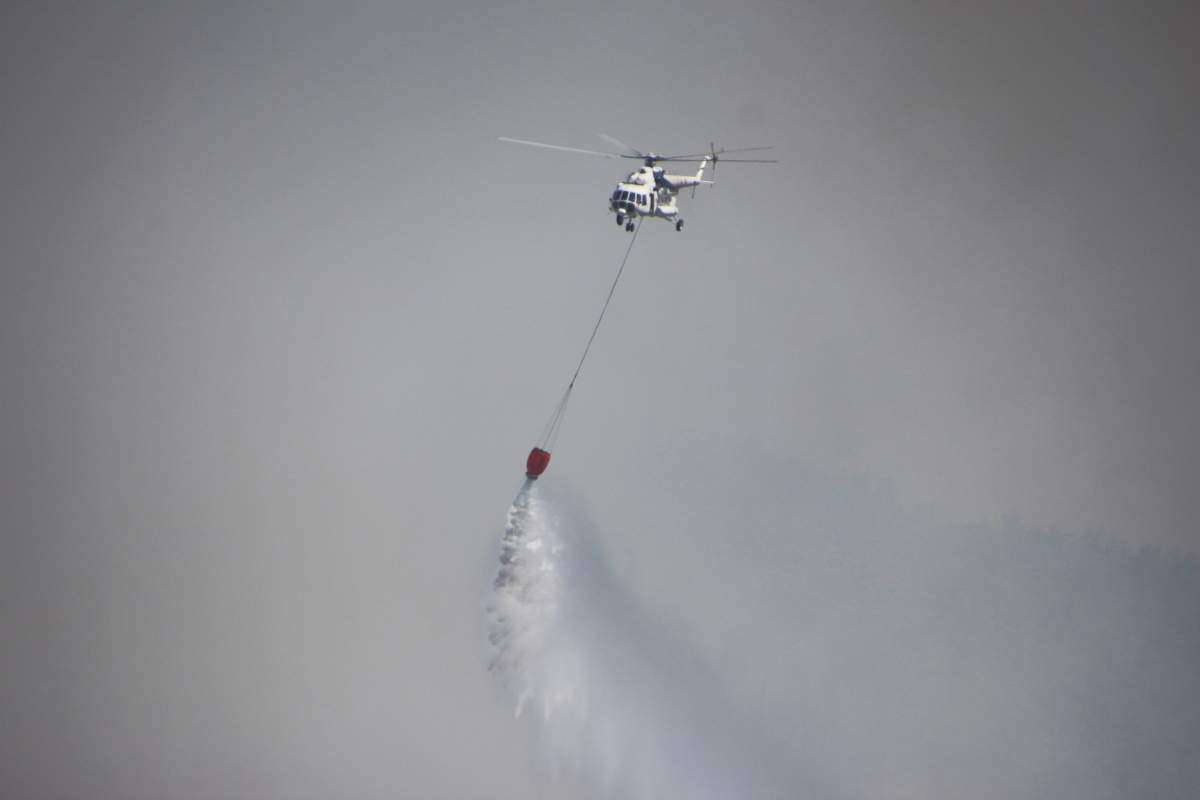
[[678, 224], [620, 219], [629, 227]]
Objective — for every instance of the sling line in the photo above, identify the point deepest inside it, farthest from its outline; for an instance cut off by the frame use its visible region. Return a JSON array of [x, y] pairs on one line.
[[551, 431]]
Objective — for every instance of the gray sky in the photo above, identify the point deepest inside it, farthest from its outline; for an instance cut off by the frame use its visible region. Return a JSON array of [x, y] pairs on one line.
[[280, 318]]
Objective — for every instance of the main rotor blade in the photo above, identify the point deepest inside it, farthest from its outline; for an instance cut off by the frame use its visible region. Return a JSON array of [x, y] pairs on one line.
[[743, 149], [617, 143], [722, 151], [559, 147], [696, 160]]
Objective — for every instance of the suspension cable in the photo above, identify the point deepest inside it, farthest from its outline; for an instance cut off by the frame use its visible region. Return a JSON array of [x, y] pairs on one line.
[[550, 433], [607, 300]]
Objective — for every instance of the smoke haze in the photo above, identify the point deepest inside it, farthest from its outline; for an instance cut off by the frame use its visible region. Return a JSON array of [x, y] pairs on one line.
[[911, 657], [890, 455]]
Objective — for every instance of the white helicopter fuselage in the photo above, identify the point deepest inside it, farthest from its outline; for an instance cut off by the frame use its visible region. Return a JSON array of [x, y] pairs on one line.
[[650, 192]]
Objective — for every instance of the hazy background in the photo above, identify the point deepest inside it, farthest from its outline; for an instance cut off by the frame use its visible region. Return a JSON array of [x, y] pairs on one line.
[[280, 318]]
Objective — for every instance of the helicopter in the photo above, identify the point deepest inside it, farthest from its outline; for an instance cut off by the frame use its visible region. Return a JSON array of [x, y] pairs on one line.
[[650, 192]]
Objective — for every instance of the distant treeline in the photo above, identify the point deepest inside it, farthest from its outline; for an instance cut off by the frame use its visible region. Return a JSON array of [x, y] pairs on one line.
[[941, 659]]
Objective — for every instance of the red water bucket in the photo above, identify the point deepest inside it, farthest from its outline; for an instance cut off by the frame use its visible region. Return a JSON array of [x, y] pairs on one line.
[[537, 462]]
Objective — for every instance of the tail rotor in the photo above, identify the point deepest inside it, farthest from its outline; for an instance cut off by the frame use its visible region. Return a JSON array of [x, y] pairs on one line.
[[711, 156]]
